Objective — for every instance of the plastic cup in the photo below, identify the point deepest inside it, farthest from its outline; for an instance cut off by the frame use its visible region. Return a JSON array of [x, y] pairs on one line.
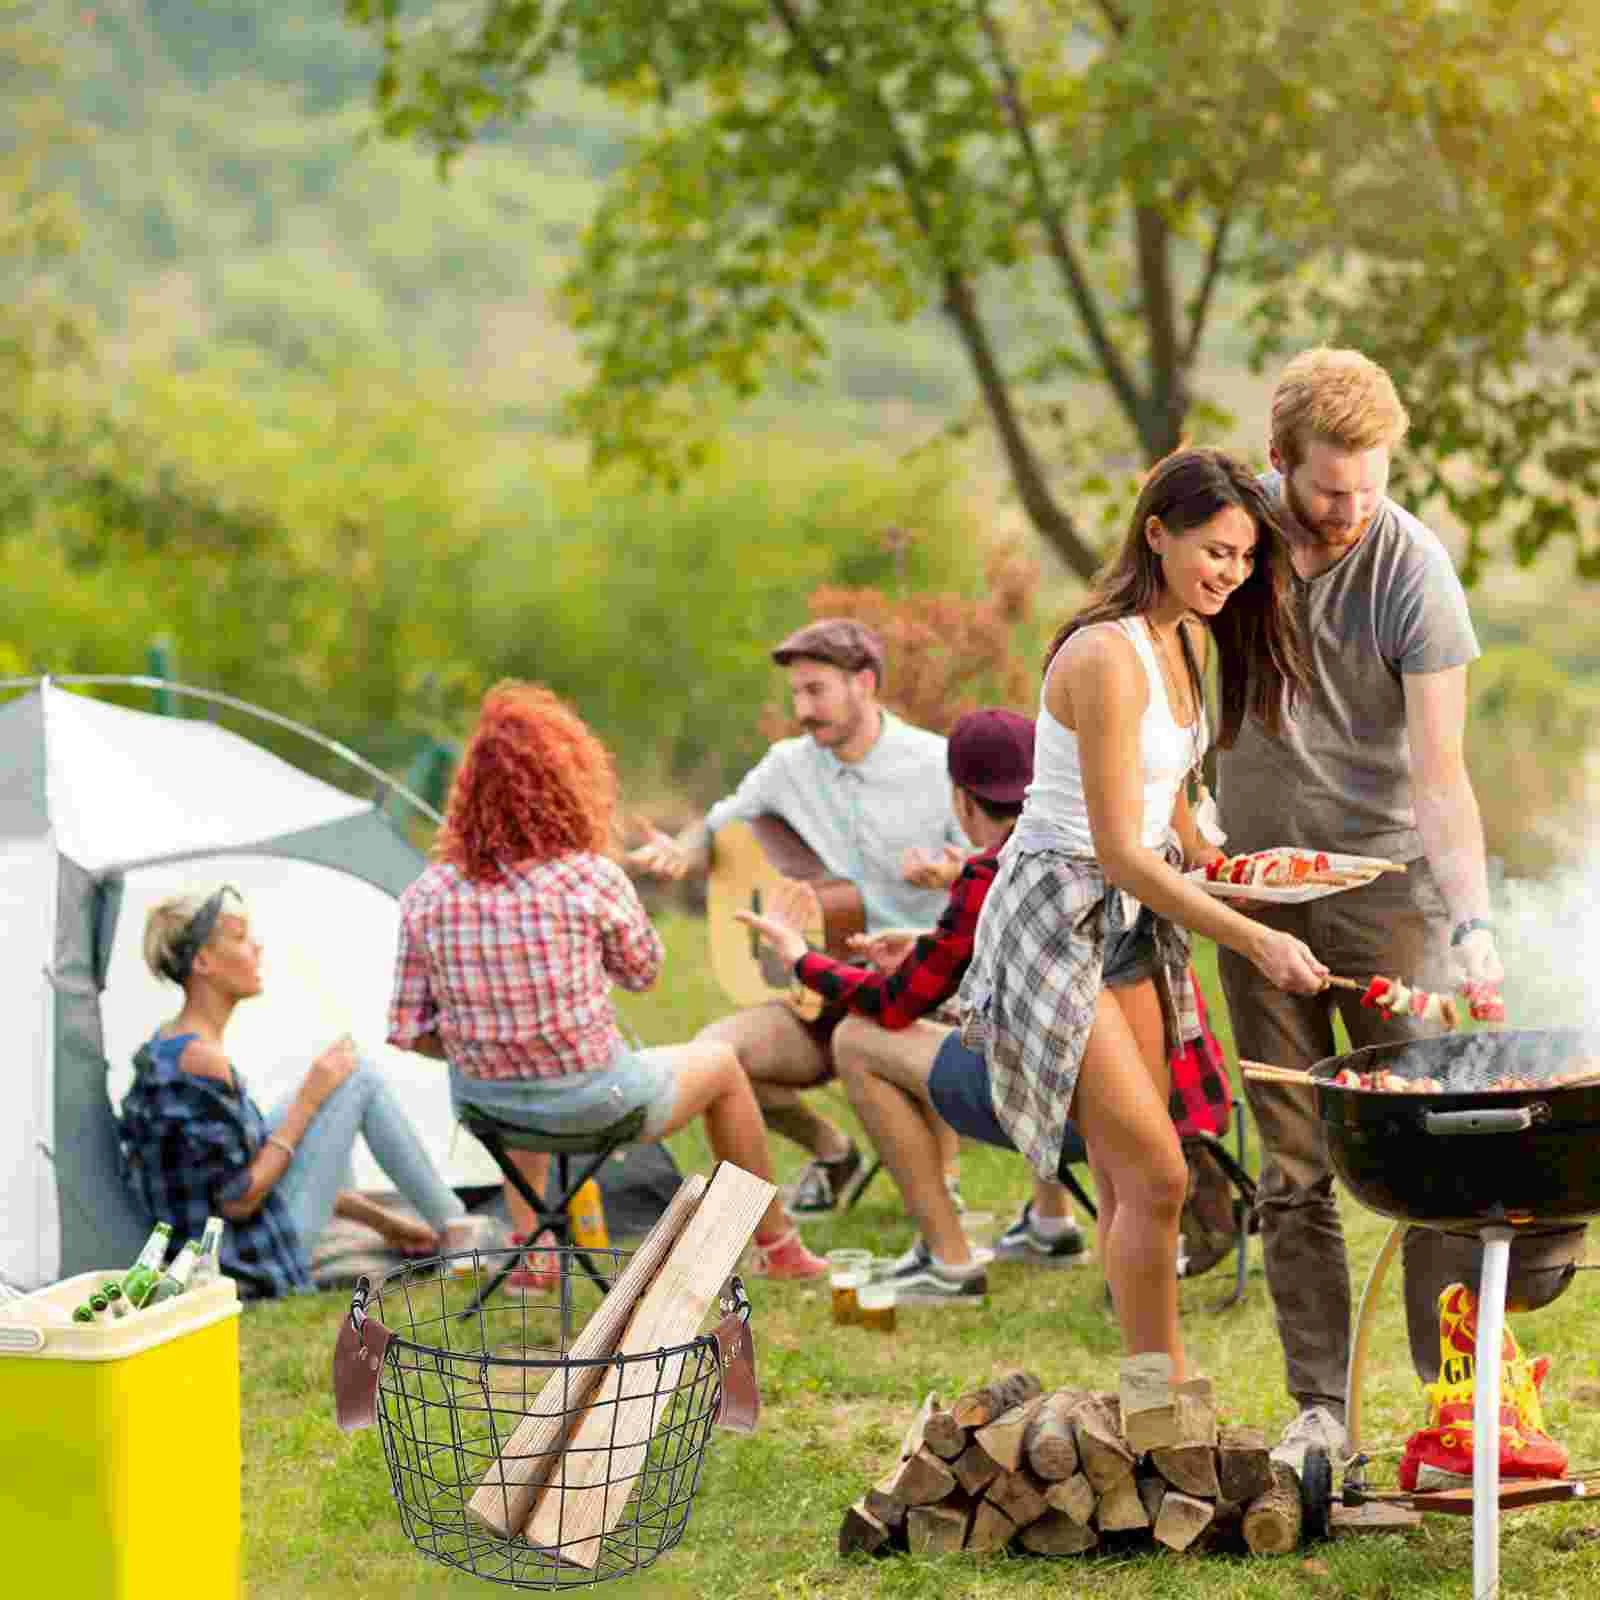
[[875, 1302], [847, 1271]]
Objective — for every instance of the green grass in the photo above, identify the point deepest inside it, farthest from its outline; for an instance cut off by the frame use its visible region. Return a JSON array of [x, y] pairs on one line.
[[319, 1518]]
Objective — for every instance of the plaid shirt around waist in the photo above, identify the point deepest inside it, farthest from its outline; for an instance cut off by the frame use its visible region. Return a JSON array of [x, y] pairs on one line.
[[515, 975], [187, 1143], [1028, 999]]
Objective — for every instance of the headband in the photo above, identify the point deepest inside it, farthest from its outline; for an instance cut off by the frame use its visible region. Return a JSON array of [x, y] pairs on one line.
[[192, 937]]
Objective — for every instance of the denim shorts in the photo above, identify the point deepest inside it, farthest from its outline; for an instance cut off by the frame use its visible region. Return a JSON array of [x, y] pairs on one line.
[[958, 1086], [584, 1103], [1130, 955]]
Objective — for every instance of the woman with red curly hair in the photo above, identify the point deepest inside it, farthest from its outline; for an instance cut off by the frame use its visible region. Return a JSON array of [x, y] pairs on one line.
[[510, 942]]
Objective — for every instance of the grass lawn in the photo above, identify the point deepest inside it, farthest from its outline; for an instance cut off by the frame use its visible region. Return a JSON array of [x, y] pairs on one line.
[[319, 1519]]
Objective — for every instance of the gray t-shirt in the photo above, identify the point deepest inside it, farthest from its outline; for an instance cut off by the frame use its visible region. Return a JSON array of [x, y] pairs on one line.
[[1338, 777]]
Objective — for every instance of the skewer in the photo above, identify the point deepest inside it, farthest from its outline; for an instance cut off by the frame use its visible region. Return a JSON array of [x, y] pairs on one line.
[[1263, 1072], [1346, 983]]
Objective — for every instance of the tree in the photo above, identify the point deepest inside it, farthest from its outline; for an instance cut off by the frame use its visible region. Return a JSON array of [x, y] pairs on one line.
[[1135, 175]]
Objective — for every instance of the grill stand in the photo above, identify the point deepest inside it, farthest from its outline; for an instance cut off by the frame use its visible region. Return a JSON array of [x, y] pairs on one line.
[[1485, 1398]]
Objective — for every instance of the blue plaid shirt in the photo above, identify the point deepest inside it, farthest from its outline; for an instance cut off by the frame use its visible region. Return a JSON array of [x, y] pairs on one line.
[[187, 1144]]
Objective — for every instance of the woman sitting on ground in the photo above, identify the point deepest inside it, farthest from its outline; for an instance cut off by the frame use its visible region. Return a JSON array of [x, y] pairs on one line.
[[509, 944], [194, 1143]]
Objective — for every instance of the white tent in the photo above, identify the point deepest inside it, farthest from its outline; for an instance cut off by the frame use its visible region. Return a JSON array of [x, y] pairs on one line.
[[102, 811]]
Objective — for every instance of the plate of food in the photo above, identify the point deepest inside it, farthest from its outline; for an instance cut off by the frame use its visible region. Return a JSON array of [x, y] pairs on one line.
[[1286, 875]]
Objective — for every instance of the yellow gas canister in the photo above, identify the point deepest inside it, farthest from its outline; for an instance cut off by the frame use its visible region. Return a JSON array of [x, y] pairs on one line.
[[587, 1213]]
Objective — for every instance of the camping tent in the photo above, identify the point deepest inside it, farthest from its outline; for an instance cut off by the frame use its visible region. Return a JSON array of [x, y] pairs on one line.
[[103, 810]]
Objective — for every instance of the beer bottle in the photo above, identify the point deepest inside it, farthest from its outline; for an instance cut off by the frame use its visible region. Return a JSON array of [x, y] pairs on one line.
[[176, 1278], [118, 1301], [587, 1213], [140, 1280], [82, 1313], [209, 1266]]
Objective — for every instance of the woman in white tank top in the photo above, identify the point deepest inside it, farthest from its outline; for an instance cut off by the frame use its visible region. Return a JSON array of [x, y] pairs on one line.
[[1077, 990]]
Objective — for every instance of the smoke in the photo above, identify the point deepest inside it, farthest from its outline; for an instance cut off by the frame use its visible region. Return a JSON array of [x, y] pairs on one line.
[[1548, 933]]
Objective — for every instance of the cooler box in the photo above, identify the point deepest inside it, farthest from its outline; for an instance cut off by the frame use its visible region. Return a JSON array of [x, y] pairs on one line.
[[120, 1476]]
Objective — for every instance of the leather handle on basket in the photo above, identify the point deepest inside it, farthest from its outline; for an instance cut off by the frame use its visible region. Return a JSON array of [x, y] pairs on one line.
[[739, 1399], [357, 1360]]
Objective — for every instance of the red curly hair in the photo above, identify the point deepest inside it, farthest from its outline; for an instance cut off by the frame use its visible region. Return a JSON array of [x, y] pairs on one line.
[[535, 783]]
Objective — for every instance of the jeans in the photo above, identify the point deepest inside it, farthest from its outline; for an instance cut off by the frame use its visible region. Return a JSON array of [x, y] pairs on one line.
[[363, 1104]]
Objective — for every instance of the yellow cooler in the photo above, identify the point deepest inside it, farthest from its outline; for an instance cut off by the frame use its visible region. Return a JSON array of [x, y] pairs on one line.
[[120, 1476]]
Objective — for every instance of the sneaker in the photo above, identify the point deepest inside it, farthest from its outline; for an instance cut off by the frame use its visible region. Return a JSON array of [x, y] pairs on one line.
[[1020, 1243], [1315, 1425], [824, 1184], [786, 1259], [923, 1282], [919, 1256]]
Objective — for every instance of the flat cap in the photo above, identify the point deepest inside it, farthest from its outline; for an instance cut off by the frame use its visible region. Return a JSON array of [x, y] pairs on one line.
[[840, 641]]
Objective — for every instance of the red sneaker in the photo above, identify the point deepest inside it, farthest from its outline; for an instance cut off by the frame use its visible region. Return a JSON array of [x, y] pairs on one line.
[[786, 1258]]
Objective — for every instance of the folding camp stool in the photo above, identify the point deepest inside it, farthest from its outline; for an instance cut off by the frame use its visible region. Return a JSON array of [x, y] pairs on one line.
[[499, 1138]]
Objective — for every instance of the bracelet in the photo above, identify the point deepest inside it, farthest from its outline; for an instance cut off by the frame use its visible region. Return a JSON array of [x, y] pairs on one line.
[[281, 1144], [1470, 926]]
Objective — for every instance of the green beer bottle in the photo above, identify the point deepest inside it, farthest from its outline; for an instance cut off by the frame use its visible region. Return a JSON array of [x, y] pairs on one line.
[[176, 1278], [112, 1290], [140, 1280], [209, 1267], [82, 1313]]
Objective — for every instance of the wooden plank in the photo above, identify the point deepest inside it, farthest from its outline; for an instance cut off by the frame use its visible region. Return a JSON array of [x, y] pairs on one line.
[[586, 1496], [1373, 1517], [505, 1496]]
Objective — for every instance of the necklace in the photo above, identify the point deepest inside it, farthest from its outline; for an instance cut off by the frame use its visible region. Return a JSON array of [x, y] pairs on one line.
[[1179, 696]]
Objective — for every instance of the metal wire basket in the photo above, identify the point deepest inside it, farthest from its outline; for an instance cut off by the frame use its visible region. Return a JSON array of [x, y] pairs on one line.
[[482, 1414]]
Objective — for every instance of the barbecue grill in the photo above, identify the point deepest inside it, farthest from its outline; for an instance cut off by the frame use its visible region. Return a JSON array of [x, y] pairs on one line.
[[1471, 1157]]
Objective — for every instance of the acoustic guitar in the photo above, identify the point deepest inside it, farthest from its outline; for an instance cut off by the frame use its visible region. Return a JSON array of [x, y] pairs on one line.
[[752, 863]]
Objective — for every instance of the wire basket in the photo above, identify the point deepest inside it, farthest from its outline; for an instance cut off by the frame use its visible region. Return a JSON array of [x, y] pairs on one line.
[[479, 1414]]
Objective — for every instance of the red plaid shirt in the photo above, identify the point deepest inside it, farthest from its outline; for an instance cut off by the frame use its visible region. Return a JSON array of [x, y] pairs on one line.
[[515, 976], [1201, 1100], [932, 970]]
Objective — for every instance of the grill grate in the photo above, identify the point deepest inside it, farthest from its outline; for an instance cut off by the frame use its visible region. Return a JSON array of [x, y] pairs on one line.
[[1507, 1059]]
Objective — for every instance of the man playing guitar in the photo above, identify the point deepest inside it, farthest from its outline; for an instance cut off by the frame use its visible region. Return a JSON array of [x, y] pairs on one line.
[[863, 789]]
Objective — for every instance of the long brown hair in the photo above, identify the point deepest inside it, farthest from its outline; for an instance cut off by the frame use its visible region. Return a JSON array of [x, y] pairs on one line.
[[1261, 666], [534, 783]]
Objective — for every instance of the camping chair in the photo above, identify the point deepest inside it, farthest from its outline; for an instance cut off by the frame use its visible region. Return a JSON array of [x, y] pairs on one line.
[[499, 1139]]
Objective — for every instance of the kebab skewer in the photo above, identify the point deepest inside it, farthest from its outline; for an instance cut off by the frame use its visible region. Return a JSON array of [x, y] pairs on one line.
[[1399, 998], [1287, 869]]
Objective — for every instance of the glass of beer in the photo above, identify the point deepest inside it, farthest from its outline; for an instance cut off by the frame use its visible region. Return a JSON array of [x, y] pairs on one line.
[[847, 1271], [875, 1306]]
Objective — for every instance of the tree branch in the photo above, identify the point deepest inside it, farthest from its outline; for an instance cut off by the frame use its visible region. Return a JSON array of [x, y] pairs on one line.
[[1200, 302], [1047, 516], [1161, 427], [1117, 375]]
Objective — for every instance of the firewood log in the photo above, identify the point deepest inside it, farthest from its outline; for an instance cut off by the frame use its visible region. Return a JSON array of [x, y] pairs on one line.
[[919, 1480], [935, 1530], [1149, 1409], [975, 1469], [1074, 1495], [1152, 1490], [1225, 1531], [1056, 1534], [861, 1530], [1106, 1460], [979, 1407], [1272, 1520], [1019, 1495], [1120, 1507], [1003, 1438], [881, 1502], [943, 1434], [1244, 1468], [1182, 1519], [915, 1436], [1051, 1450], [991, 1528], [1197, 1411], [1189, 1468]]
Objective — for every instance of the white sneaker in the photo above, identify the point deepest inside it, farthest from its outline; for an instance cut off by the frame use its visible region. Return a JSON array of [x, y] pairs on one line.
[[1315, 1425]]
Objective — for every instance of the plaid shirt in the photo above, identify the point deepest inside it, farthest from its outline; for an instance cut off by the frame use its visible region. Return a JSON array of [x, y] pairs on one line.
[[515, 976], [932, 970], [187, 1144], [1028, 999], [1202, 1098]]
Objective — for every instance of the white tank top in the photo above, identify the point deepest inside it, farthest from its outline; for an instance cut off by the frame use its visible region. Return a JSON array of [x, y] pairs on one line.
[[1054, 804]]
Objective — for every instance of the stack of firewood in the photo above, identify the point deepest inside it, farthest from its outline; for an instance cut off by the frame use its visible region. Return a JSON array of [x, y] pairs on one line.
[[1011, 1466]]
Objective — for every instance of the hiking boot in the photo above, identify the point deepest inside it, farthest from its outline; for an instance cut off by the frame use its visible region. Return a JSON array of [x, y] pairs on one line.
[[824, 1184], [1316, 1425], [924, 1282], [786, 1259], [1020, 1243]]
